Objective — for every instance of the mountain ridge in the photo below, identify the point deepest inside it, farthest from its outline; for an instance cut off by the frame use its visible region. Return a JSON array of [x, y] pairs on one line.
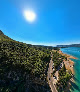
[[23, 66], [1, 33], [65, 46]]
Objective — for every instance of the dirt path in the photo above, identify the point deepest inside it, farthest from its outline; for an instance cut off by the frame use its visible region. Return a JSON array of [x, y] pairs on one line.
[[50, 78]]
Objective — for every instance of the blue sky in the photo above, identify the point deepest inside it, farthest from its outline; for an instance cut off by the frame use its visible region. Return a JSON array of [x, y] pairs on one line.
[[57, 22]]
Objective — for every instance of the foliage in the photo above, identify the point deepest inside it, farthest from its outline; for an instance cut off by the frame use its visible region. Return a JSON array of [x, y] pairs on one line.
[[22, 65], [57, 59], [64, 77]]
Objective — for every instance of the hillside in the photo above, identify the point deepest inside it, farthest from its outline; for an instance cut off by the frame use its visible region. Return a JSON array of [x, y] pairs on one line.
[[65, 46], [2, 36], [23, 67]]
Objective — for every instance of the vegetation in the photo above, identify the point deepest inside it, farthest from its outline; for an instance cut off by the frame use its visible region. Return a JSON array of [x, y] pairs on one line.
[[22, 66], [57, 59], [64, 77]]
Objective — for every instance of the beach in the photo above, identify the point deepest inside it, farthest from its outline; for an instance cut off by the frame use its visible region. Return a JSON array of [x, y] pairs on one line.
[[69, 64]]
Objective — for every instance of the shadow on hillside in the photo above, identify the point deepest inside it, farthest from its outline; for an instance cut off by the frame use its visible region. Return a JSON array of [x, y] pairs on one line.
[[78, 81], [74, 86]]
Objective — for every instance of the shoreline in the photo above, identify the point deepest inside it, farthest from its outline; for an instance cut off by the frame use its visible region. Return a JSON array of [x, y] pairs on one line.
[[69, 64], [67, 55]]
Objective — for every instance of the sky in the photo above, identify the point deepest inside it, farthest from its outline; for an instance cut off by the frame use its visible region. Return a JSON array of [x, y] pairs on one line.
[[57, 21]]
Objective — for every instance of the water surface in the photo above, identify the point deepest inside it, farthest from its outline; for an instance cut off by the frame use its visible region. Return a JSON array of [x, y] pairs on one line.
[[74, 51]]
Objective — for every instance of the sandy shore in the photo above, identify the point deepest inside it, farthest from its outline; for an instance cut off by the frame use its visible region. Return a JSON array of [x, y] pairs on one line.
[[69, 64], [68, 56]]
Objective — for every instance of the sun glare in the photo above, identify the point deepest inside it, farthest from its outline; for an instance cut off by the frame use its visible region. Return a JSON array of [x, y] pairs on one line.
[[29, 15]]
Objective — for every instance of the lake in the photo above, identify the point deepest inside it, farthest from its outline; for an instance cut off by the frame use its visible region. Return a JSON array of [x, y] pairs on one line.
[[74, 51]]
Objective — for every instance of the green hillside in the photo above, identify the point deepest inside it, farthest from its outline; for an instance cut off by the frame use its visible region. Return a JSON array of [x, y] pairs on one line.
[[23, 67]]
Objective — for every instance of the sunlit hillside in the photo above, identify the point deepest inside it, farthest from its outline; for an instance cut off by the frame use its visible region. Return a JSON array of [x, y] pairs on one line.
[[22, 67]]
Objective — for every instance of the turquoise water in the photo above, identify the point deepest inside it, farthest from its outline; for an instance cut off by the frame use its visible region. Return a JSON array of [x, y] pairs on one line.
[[74, 51]]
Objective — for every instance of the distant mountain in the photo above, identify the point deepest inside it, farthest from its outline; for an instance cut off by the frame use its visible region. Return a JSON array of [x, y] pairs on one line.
[[64, 46]]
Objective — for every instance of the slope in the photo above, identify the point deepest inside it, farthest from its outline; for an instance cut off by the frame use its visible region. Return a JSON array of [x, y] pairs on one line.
[[23, 67]]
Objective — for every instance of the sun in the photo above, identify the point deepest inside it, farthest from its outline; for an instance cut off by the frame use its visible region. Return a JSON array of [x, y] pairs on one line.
[[30, 16]]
